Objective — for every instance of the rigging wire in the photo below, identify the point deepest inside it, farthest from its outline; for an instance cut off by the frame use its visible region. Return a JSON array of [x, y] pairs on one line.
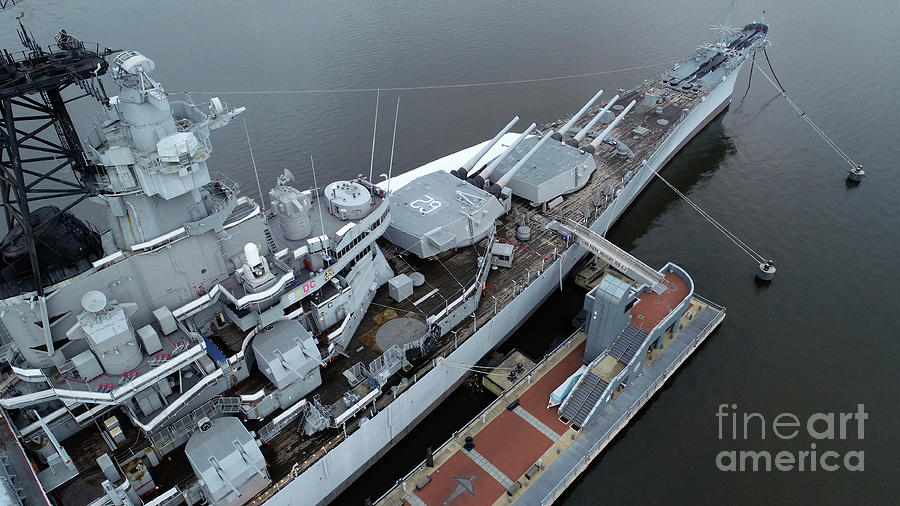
[[498, 374], [837, 149], [487, 371], [476, 367], [428, 87], [715, 223]]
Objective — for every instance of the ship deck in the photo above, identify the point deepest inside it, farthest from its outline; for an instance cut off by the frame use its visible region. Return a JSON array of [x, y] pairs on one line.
[[518, 439], [290, 452]]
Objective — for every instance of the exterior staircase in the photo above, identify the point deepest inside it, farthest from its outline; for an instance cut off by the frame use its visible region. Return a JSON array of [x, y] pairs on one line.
[[583, 398], [627, 344]]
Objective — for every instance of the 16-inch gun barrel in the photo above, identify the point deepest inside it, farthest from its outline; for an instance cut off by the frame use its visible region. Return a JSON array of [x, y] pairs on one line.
[[471, 163], [587, 128], [565, 128], [504, 180], [600, 138], [493, 165]]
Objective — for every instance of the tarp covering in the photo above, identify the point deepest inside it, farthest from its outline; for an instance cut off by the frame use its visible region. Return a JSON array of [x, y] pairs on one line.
[[563, 391]]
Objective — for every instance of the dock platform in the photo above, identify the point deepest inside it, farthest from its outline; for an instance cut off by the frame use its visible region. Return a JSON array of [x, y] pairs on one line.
[[521, 451]]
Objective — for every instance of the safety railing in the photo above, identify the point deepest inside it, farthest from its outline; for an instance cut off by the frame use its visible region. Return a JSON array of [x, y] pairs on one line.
[[522, 377], [614, 429]]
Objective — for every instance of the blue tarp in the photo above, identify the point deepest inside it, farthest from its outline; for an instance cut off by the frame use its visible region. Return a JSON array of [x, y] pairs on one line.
[[214, 350]]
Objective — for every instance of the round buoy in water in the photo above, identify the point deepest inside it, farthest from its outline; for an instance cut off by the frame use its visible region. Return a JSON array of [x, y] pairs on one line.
[[766, 271], [856, 173]]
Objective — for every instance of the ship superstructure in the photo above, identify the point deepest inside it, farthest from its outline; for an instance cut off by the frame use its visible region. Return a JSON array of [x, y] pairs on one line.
[[201, 329]]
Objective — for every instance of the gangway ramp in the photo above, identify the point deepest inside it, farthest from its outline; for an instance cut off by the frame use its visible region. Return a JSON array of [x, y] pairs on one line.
[[614, 255]]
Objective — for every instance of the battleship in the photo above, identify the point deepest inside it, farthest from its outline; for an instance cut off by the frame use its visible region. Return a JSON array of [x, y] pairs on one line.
[[199, 346]]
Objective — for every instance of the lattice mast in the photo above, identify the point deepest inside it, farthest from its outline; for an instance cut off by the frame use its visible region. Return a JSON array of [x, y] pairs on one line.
[[31, 102]]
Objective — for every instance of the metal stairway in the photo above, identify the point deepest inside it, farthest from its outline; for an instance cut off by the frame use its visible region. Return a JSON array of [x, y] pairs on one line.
[[583, 398], [188, 423], [270, 241], [627, 344]]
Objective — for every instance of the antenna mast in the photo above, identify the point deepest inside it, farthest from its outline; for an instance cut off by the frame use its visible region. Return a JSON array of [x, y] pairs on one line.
[[393, 141], [262, 201], [318, 200], [374, 130]]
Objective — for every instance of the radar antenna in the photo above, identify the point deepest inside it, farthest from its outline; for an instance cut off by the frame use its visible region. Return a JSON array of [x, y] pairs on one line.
[[725, 28]]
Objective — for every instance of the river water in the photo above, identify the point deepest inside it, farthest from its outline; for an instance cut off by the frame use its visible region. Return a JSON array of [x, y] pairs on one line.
[[821, 338]]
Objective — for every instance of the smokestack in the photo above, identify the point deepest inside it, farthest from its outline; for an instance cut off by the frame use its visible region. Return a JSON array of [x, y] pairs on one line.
[[587, 128], [590, 148], [493, 165], [463, 171], [503, 181], [565, 128]]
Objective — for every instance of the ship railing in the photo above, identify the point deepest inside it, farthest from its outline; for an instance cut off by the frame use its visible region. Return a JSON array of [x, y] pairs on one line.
[[709, 303], [225, 187], [657, 330], [24, 54], [188, 423], [386, 364], [271, 429], [357, 374], [481, 276], [477, 418], [622, 421]]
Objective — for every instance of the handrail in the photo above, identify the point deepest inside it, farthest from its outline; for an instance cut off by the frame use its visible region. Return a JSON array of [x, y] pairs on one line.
[[631, 362], [617, 425], [523, 377], [116, 396]]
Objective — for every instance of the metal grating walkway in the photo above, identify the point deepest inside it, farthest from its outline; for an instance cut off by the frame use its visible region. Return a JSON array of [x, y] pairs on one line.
[[616, 256], [583, 398], [627, 344]]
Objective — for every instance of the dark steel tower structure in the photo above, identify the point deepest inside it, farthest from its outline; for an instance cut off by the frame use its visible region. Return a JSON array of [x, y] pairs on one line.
[[31, 103]]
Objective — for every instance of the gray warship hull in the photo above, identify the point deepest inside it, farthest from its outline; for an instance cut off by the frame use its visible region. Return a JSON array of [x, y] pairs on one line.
[[337, 469]]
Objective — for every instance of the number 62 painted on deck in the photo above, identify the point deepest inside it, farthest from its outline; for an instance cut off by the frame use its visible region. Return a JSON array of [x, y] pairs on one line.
[[425, 206]]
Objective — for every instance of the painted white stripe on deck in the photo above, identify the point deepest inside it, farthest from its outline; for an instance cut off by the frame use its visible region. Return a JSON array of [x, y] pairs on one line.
[[425, 297], [537, 424], [413, 499], [489, 468]]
